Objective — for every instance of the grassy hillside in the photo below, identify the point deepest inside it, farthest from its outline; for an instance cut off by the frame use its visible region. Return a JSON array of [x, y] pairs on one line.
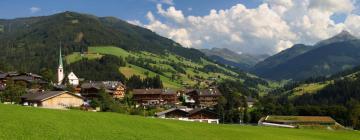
[[170, 75], [33, 123]]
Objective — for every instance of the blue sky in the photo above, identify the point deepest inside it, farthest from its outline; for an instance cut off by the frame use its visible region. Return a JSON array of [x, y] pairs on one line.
[[124, 9], [246, 26]]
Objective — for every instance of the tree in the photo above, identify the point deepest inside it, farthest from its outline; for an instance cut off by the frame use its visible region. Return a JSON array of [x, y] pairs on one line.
[[13, 92]]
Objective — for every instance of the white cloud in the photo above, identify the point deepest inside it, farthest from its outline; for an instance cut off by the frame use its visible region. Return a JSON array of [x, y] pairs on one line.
[[271, 27], [168, 2], [34, 10]]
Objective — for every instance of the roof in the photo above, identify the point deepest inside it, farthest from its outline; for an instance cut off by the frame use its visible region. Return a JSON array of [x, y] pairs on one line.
[[170, 110], [298, 119], [72, 76], [3, 75], [196, 110], [110, 85], [154, 91], [41, 96], [204, 92], [28, 78]]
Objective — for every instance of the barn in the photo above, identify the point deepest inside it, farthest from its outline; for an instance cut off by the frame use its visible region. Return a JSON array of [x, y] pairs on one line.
[[52, 99]]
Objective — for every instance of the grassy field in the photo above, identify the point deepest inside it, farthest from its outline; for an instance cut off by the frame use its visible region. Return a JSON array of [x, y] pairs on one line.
[[18, 122], [131, 70]]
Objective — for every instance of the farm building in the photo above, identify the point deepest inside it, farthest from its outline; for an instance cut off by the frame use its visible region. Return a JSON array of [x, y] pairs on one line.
[[52, 99], [194, 115], [202, 97], [155, 97], [295, 121], [92, 89]]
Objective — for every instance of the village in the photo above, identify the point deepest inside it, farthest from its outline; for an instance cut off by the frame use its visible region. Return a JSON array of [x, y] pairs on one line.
[[196, 105]]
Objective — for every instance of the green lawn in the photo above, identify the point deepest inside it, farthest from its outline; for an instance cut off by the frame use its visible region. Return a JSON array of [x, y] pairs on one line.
[[18, 122]]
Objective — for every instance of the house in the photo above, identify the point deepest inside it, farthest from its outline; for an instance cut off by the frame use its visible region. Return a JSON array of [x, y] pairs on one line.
[[73, 79], [155, 97], [202, 97], [296, 121], [194, 115], [52, 99], [29, 79], [92, 89]]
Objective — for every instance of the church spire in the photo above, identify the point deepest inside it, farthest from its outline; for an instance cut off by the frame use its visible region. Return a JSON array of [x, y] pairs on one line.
[[60, 68], [60, 57]]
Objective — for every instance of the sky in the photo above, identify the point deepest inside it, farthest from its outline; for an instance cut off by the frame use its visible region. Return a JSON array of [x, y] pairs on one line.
[[244, 26]]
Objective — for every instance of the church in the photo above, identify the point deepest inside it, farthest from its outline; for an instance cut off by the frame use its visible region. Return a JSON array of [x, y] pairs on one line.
[[71, 78]]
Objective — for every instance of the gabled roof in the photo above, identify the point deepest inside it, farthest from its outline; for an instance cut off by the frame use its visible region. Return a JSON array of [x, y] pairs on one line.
[[170, 110], [154, 91], [189, 113], [72, 76], [41, 96]]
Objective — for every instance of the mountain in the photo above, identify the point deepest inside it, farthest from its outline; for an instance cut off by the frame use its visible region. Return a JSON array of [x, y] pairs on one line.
[[341, 37], [323, 59], [231, 58], [105, 48]]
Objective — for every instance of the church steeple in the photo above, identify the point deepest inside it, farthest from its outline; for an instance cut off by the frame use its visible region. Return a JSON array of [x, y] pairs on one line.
[[60, 68], [60, 58]]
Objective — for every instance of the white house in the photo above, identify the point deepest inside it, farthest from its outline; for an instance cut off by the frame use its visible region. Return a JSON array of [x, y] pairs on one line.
[[73, 79]]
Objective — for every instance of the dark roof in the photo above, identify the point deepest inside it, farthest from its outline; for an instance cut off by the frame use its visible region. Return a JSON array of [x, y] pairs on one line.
[[41, 96], [13, 73], [196, 110], [154, 91], [3, 75], [110, 85], [29, 79], [299, 119], [203, 92], [170, 110]]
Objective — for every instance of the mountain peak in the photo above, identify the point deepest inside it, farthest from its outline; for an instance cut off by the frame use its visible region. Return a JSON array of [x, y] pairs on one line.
[[342, 36]]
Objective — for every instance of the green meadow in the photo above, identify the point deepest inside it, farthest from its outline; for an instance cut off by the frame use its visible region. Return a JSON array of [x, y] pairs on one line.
[[17, 122]]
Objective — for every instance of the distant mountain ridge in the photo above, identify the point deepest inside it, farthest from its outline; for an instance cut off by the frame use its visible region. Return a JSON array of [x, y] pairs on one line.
[[231, 58], [322, 59]]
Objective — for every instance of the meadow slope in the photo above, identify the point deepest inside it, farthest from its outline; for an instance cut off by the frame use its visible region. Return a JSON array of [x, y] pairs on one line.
[[18, 122]]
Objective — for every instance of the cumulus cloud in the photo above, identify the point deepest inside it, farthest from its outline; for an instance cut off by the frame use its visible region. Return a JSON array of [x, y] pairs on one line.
[[269, 28], [34, 10]]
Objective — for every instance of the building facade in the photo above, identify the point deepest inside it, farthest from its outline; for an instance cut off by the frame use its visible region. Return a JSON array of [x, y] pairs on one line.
[[155, 97]]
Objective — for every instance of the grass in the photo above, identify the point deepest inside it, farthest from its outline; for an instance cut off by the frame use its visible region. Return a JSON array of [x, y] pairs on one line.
[[131, 70], [161, 61], [18, 122], [76, 56], [111, 50], [308, 88]]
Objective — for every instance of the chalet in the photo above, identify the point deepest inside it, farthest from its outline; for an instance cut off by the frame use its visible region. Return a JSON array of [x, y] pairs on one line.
[[155, 97], [296, 121], [195, 115], [52, 99], [29, 79], [202, 97], [92, 89]]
